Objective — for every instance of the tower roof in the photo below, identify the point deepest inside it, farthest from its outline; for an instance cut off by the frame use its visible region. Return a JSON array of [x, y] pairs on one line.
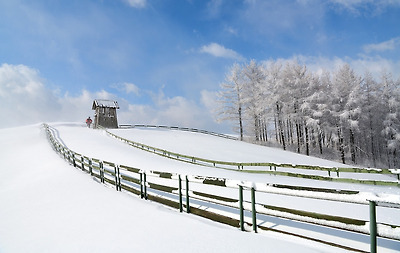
[[105, 103]]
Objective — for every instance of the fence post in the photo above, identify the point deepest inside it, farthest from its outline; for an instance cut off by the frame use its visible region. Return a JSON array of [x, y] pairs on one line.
[[90, 167], [141, 185], [253, 208], [241, 208], [115, 177], [101, 172], [180, 193], [82, 163], [117, 182], [119, 178], [144, 185], [187, 195], [73, 160], [372, 225]]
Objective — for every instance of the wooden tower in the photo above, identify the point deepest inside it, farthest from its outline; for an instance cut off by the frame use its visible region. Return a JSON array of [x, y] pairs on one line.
[[105, 114]]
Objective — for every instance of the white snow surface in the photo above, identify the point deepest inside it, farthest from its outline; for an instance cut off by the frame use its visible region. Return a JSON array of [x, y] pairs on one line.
[[49, 206], [216, 148]]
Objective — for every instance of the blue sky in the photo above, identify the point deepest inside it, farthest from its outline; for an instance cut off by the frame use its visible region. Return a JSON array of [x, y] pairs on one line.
[[163, 60]]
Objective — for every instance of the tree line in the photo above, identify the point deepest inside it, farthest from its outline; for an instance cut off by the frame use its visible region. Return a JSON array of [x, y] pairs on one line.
[[339, 115]]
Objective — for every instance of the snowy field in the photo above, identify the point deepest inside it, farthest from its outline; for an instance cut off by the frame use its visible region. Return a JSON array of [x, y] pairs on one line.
[[210, 147], [215, 148], [51, 207]]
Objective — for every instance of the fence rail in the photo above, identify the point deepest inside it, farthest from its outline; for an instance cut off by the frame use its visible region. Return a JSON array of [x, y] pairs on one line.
[[272, 168], [189, 192], [195, 130]]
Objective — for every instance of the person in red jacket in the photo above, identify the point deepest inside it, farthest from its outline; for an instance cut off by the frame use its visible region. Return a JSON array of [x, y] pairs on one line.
[[88, 122]]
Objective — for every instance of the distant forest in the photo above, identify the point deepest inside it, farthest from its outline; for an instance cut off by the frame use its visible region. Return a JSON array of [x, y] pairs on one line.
[[338, 115]]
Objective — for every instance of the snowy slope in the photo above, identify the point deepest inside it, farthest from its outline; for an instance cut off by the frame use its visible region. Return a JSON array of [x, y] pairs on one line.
[[215, 148], [48, 206], [58, 190], [210, 147], [97, 144]]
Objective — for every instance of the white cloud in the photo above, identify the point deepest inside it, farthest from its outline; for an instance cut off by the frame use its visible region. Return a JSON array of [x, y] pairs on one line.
[[209, 99], [383, 46], [127, 88], [376, 65], [350, 3], [25, 99], [172, 111], [368, 6], [274, 18], [137, 3], [220, 51], [177, 110], [231, 30], [214, 8], [19, 79]]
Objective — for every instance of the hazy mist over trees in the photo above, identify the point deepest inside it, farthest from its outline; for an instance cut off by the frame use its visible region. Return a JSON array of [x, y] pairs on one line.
[[338, 115]]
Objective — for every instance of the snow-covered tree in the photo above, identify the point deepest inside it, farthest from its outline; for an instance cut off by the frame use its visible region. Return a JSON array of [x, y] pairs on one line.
[[295, 91], [391, 123], [253, 96], [321, 113], [230, 98], [370, 120], [345, 108], [273, 87], [315, 108]]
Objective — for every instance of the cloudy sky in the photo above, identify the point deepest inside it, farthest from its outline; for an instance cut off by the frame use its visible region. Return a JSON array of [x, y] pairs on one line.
[[163, 60]]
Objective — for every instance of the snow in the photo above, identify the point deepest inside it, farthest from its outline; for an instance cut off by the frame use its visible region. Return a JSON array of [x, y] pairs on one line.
[[52, 207], [105, 103], [195, 144], [95, 141]]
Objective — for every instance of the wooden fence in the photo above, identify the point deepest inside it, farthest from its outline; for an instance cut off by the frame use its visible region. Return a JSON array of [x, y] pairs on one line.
[[194, 130], [191, 193], [272, 168]]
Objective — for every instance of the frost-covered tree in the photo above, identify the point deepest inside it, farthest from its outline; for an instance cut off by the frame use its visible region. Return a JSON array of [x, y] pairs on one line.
[[253, 96], [272, 87], [326, 113], [391, 122], [345, 108], [370, 120], [230, 98], [294, 93], [315, 111]]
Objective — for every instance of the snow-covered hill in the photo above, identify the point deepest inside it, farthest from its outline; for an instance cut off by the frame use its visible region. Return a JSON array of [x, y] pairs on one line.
[[48, 206]]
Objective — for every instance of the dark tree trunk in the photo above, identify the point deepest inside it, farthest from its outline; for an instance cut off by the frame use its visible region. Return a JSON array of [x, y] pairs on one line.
[[307, 140], [371, 136], [265, 132], [320, 141], [341, 145], [298, 137], [240, 123], [281, 130], [352, 146], [256, 127], [276, 130]]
